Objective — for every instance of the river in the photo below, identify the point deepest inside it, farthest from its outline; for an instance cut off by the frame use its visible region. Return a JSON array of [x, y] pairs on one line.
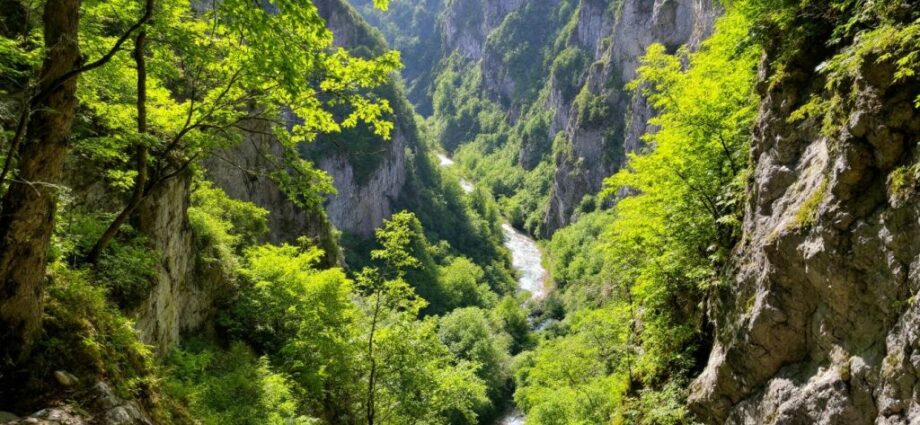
[[526, 259]]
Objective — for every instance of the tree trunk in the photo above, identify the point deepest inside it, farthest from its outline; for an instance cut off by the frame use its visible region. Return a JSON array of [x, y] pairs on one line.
[[140, 155], [27, 218]]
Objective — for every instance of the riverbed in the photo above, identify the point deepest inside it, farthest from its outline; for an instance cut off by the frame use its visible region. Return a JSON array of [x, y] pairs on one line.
[[526, 259]]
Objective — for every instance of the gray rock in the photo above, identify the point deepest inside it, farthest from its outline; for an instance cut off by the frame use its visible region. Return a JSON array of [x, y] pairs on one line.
[[53, 416], [127, 414], [833, 336]]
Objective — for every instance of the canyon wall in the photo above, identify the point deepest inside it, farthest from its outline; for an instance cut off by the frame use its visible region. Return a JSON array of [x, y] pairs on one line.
[[820, 323], [186, 289], [616, 40], [556, 69]]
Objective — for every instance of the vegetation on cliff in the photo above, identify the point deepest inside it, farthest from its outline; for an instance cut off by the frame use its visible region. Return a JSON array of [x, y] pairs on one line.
[[292, 340], [132, 285]]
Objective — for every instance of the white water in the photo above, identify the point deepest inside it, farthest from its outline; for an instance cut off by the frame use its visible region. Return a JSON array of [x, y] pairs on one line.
[[445, 161], [528, 262], [513, 418], [526, 259]]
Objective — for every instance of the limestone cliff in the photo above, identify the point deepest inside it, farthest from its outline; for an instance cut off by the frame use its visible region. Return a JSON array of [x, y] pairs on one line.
[[616, 39], [177, 300], [466, 24], [186, 290], [243, 172], [368, 174], [556, 69], [820, 323]]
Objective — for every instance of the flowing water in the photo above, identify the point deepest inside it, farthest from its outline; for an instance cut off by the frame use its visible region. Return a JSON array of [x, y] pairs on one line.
[[526, 259], [513, 418]]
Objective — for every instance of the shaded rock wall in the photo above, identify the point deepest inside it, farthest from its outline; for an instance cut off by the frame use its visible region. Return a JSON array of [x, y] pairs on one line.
[[361, 204], [466, 24], [187, 289], [243, 172]]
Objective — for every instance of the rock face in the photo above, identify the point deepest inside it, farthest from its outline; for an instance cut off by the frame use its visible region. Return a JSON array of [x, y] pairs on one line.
[[466, 24], [98, 405], [183, 295], [362, 202], [360, 208], [242, 172], [821, 324], [557, 69], [186, 292], [616, 40]]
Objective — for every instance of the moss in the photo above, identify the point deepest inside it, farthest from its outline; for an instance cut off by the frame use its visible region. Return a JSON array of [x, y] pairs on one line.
[[749, 304], [807, 213], [903, 182]]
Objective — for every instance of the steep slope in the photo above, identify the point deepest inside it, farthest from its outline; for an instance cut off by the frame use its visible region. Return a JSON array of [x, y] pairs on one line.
[[817, 322], [548, 107], [820, 322], [412, 28], [368, 172], [595, 144]]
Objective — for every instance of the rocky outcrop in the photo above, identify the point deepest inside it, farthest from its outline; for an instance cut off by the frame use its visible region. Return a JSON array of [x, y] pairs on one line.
[[821, 323], [184, 290], [617, 39], [184, 293], [361, 202], [98, 405], [243, 171], [466, 24], [360, 207], [364, 198]]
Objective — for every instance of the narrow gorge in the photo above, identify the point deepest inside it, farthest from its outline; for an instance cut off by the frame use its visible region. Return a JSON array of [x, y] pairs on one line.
[[459, 212]]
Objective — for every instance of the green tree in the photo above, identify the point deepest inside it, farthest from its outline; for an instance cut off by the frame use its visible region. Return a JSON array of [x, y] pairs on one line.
[[200, 77], [464, 284], [232, 386], [469, 335], [41, 141], [634, 279], [410, 378], [512, 319], [304, 318], [228, 86]]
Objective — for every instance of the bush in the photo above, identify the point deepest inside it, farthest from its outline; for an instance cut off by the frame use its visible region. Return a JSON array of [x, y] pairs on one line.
[[568, 69], [465, 285], [233, 386], [125, 270], [301, 315], [85, 334]]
